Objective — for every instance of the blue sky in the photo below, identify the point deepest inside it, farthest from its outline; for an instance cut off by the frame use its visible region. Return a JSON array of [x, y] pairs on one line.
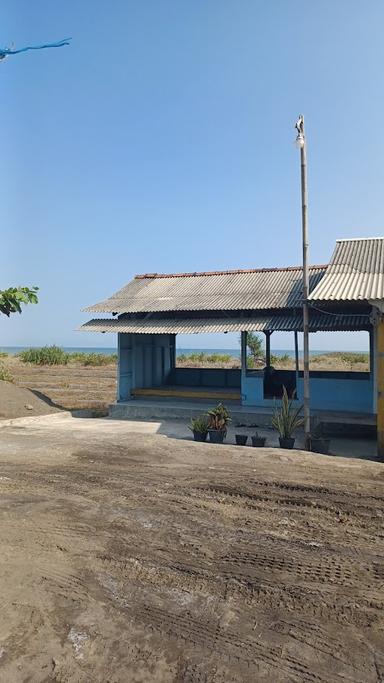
[[162, 140]]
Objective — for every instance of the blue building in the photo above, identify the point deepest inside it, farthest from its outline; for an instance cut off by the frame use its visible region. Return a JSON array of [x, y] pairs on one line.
[[148, 313]]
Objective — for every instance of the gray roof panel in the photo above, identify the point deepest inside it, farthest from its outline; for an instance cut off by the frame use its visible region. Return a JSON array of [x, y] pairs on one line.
[[228, 290], [356, 272]]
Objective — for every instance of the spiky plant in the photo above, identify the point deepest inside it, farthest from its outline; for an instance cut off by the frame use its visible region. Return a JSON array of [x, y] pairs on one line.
[[287, 417], [199, 424]]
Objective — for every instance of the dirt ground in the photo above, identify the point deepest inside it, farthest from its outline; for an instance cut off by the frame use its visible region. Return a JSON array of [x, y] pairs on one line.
[[19, 402], [137, 558], [72, 386]]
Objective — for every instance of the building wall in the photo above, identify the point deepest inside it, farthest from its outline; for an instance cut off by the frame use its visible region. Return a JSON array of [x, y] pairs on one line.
[[326, 392], [144, 360]]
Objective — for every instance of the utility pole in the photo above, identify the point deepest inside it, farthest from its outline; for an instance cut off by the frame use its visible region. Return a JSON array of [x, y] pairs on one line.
[[301, 143]]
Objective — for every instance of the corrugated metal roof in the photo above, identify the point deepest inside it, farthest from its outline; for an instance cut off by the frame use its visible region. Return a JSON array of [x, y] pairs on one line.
[[317, 322], [356, 272], [229, 290]]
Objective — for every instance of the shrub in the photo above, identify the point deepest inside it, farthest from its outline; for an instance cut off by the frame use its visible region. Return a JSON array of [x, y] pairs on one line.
[[5, 374], [95, 359], [4, 354], [205, 358], [47, 355]]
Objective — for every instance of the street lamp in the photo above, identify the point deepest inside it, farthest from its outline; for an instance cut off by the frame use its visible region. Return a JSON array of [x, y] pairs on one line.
[[301, 144]]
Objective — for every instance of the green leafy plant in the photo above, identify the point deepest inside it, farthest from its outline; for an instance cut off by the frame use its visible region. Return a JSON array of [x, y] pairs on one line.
[[12, 299], [219, 418], [287, 417], [199, 424]]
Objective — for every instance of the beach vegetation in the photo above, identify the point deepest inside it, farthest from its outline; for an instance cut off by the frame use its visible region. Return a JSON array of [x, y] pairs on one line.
[[55, 355], [5, 373], [203, 357], [254, 346], [94, 359], [46, 355]]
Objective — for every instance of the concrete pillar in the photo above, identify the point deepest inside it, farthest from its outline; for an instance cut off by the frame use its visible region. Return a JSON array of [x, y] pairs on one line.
[[380, 386]]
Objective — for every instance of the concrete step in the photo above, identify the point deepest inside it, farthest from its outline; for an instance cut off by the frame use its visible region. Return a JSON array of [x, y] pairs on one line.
[[333, 424], [172, 410]]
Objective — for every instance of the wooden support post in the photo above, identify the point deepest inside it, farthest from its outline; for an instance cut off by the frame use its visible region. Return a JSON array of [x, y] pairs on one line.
[[268, 348], [380, 386]]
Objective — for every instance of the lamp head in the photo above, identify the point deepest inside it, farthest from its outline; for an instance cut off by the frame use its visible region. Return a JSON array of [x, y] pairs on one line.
[[300, 138]]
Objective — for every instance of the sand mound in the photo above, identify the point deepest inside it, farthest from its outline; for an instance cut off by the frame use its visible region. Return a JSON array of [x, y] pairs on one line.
[[18, 402]]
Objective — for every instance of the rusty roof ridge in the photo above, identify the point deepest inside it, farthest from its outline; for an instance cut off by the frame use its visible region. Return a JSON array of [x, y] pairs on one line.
[[358, 239], [237, 271]]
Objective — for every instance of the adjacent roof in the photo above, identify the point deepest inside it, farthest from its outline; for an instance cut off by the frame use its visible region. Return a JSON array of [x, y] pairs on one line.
[[356, 272], [290, 322], [268, 288]]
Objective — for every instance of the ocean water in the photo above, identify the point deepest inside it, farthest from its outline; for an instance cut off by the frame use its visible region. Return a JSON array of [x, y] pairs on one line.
[[12, 350]]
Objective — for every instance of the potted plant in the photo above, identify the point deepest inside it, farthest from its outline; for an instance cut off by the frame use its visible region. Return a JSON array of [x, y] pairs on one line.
[[199, 427], [286, 419], [241, 439], [319, 444], [258, 441], [219, 419]]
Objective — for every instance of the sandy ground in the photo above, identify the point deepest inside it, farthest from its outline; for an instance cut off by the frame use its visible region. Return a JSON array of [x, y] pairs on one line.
[[133, 557], [20, 402]]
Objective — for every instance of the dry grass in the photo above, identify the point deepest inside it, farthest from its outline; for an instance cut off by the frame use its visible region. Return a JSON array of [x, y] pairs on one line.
[[337, 361], [72, 386]]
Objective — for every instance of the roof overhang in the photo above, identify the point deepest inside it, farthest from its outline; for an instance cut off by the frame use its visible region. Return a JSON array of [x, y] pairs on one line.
[[274, 323]]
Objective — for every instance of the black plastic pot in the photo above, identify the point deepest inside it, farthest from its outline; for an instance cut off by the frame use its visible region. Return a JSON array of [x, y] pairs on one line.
[[258, 441], [200, 436], [241, 439], [216, 435], [320, 445], [286, 442]]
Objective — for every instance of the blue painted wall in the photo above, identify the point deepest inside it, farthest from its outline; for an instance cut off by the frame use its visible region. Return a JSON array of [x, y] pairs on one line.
[[145, 360], [326, 393], [149, 360], [205, 377]]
